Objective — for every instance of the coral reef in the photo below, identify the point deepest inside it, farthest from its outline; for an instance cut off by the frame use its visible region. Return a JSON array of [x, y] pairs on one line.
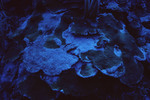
[[74, 50]]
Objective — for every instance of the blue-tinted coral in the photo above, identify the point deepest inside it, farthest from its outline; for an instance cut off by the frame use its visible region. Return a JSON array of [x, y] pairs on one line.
[[81, 48], [50, 22], [8, 72], [85, 70], [82, 43], [52, 61]]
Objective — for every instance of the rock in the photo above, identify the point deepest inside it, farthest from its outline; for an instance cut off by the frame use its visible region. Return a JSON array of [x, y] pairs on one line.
[[146, 24], [85, 70], [21, 8], [145, 18], [9, 72], [135, 26], [52, 43], [148, 52], [71, 84], [141, 41], [50, 22], [121, 2], [114, 6], [148, 57], [36, 89]]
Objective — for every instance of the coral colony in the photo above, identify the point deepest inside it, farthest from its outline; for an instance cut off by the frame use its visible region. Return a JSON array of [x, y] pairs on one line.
[[74, 50]]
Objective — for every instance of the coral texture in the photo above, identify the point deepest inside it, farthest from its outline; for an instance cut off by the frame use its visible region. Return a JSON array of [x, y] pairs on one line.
[[36, 57]]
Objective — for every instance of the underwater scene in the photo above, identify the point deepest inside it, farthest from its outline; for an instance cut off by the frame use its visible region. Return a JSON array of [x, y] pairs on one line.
[[74, 49]]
